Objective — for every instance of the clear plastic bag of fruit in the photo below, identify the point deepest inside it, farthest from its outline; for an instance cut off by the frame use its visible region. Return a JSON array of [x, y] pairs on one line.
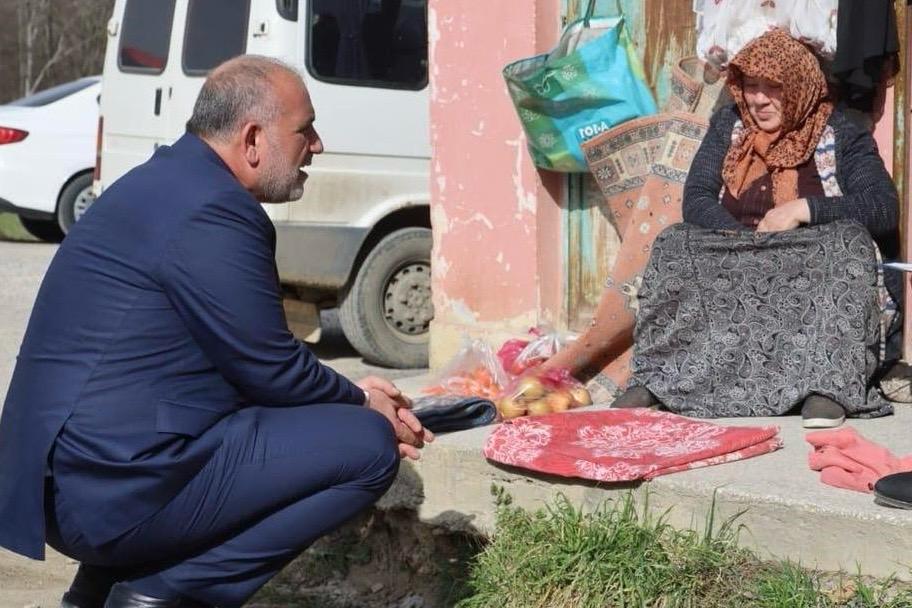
[[517, 356], [536, 394], [474, 371]]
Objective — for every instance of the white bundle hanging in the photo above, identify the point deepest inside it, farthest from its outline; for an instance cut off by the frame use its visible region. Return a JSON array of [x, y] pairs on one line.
[[724, 27]]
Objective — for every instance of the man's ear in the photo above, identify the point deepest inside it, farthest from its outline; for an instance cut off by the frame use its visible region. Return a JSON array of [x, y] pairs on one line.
[[252, 139]]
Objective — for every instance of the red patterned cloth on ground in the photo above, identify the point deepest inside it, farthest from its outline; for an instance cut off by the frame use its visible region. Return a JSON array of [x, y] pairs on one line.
[[623, 444]]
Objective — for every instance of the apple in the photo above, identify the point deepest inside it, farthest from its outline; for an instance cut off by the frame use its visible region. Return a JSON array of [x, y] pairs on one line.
[[510, 408], [581, 396], [529, 388], [559, 401], [539, 407]]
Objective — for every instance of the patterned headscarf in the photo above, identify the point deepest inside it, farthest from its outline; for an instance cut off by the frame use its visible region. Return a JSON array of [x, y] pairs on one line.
[[778, 57]]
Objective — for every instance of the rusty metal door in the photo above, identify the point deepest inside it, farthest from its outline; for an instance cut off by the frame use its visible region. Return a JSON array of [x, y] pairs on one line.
[[902, 160], [663, 33]]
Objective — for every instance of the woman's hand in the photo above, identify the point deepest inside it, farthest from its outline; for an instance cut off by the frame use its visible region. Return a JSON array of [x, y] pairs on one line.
[[786, 216]]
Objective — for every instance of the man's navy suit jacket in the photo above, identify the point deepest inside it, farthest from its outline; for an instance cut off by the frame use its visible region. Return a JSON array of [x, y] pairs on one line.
[[159, 316]]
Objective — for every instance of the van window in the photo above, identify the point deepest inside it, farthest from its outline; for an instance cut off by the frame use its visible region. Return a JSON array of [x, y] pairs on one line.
[[216, 31], [380, 43], [146, 35], [288, 9]]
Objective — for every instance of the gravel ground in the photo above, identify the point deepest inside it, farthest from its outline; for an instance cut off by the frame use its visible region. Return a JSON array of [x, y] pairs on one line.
[[27, 583]]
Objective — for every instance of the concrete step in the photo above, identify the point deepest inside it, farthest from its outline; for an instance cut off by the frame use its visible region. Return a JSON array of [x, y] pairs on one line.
[[786, 512]]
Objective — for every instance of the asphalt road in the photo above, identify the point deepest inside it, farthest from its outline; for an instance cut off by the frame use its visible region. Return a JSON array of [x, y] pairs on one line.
[[26, 583]]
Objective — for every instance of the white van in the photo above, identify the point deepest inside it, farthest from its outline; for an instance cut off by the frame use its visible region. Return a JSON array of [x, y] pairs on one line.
[[360, 238]]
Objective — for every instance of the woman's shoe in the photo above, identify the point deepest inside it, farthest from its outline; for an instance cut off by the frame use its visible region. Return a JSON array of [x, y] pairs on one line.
[[635, 396], [894, 491], [819, 412]]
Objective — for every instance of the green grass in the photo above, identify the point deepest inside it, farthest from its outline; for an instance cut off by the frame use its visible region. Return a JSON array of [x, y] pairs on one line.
[[11, 228], [784, 585], [620, 556]]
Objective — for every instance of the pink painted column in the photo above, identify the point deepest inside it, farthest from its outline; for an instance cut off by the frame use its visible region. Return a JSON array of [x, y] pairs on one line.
[[497, 258], [884, 131]]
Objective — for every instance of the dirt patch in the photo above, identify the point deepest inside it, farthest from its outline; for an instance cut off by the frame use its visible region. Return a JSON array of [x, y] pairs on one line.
[[382, 559]]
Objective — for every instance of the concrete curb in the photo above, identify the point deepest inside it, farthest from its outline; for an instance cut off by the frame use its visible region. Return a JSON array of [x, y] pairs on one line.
[[785, 511]]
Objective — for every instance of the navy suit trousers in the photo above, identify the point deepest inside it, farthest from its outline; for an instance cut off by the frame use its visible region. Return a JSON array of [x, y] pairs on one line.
[[282, 478]]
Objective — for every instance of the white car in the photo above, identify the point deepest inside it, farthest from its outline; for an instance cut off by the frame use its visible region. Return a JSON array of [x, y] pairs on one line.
[[47, 156]]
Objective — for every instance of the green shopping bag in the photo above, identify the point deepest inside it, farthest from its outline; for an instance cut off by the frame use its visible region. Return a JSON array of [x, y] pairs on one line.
[[592, 81]]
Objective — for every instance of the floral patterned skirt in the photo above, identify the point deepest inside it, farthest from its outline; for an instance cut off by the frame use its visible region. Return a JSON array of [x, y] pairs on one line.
[[738, 324]]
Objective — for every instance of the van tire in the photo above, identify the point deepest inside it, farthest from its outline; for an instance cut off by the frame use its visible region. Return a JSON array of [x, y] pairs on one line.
[[74, 200], [386, 311]]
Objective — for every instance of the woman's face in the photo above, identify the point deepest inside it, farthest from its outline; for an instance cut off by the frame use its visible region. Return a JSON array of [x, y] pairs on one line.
[[764, 102]]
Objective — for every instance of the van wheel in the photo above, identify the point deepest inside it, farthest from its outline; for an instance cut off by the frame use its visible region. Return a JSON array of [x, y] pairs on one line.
[[45, 230], [74, 201], [387, 310]]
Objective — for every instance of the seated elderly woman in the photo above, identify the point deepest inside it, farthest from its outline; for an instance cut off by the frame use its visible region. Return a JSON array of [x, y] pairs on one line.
[[769, 296]]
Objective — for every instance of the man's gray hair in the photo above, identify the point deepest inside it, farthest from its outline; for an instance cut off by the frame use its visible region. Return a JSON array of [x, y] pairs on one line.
[[235, 92]]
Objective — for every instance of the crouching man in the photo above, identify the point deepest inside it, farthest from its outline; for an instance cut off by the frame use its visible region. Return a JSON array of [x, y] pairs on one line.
[[163, 426]]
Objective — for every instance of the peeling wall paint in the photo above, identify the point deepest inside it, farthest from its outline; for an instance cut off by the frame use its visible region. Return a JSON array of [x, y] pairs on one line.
[[525, 200], [485, 192], [449, 337]]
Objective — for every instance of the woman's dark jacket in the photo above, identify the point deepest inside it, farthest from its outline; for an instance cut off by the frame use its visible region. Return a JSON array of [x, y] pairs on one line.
[[869, 194]]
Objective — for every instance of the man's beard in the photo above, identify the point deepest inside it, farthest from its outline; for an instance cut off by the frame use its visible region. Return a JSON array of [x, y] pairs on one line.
[[281, 183]]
